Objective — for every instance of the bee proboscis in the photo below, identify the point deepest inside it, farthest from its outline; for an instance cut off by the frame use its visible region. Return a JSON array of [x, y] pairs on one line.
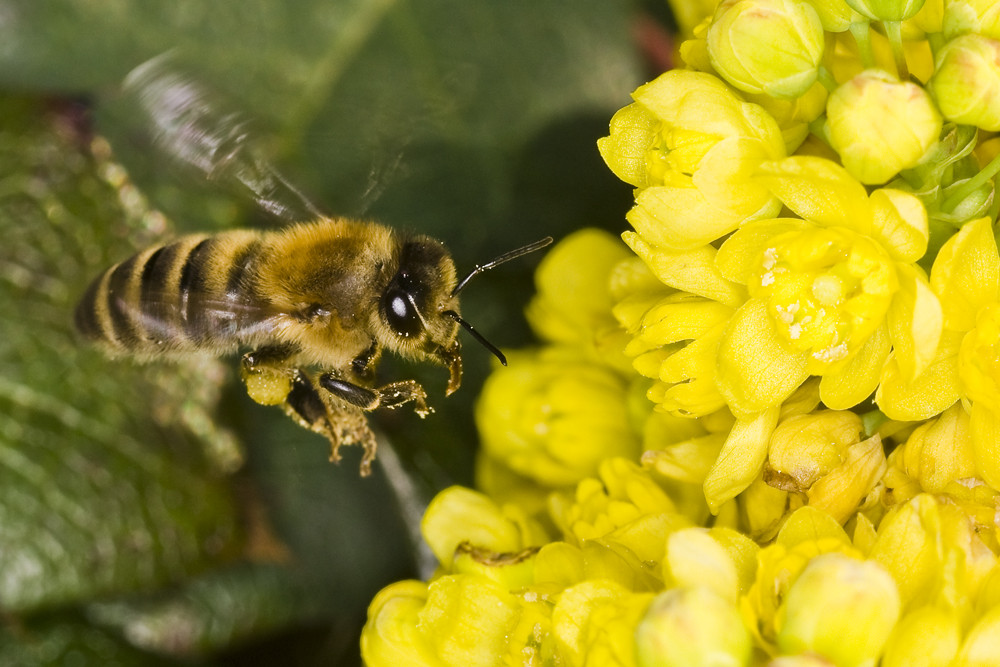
[[315, 304]]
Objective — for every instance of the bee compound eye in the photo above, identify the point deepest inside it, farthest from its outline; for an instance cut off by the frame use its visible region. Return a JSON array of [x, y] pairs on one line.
[[400, 313]]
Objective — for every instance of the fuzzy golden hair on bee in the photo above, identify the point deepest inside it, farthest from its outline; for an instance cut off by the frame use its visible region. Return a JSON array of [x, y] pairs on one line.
[[315, 305]]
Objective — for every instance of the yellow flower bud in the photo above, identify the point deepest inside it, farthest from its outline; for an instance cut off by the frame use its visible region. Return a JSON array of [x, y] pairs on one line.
[[907, 547], [595, 621], [469, 620], [554, 415], [925, 637], [982, 645], [840, 608], [836, 15], [966, 81], [887, 10], [573, 301], [794, 115], [766, 46], [805, 448], [391, 635], [624, 506], [972, 16], [880, 125], [458, 515], [692, 626], [695, 559], [779, 564], [808, 525], [939, 452], [764, 508], [821, 455]]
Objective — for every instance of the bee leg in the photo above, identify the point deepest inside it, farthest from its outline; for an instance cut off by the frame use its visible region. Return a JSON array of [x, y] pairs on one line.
[[267, 375], [340, 425], [391, 395], [362, 364]]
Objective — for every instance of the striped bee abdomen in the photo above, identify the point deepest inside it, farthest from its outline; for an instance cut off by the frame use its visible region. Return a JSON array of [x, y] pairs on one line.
[[187, 295]]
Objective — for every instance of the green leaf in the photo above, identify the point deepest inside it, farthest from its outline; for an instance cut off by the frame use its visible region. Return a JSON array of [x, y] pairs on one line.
[[107, 485], [66, 639], [217, 611]]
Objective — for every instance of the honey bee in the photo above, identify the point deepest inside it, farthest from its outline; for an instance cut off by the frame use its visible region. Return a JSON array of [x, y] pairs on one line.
[[314, 304]]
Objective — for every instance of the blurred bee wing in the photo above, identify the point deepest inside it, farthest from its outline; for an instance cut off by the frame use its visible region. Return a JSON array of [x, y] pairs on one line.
[[176, 322], [193, 127]]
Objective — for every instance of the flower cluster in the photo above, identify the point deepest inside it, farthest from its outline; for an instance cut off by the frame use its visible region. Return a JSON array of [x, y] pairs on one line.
[[766, 430]]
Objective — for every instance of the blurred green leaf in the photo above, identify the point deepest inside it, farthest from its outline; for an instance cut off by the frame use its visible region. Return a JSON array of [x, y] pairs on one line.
[[67, 639], [106, 487], [213, 612]]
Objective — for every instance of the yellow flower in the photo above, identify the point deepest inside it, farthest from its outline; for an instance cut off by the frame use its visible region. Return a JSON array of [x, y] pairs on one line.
[[573, 303], [934, 552], [829, 294], [766, 46], [624, 509], [794, 115], [392, 635], [966, 276], [458, 515], [982, 645], [939, 452], [554, 415], [718, 559], [690, 145], [457, 621]]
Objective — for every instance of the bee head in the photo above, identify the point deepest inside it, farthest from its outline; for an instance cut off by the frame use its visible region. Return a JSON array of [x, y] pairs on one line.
[[419, 307]]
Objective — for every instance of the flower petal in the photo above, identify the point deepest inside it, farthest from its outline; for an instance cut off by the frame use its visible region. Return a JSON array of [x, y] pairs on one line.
[[915, 320], [691, 271], [741, 458], [755, 370], [846, 387], [819, 190], [931, 393], [966, 274]]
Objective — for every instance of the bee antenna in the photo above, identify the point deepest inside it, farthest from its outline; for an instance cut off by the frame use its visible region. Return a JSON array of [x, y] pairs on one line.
[[506, 257], [478, 336]]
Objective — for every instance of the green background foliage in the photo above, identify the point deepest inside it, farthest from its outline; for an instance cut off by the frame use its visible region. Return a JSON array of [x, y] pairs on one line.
[[150, 513]]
